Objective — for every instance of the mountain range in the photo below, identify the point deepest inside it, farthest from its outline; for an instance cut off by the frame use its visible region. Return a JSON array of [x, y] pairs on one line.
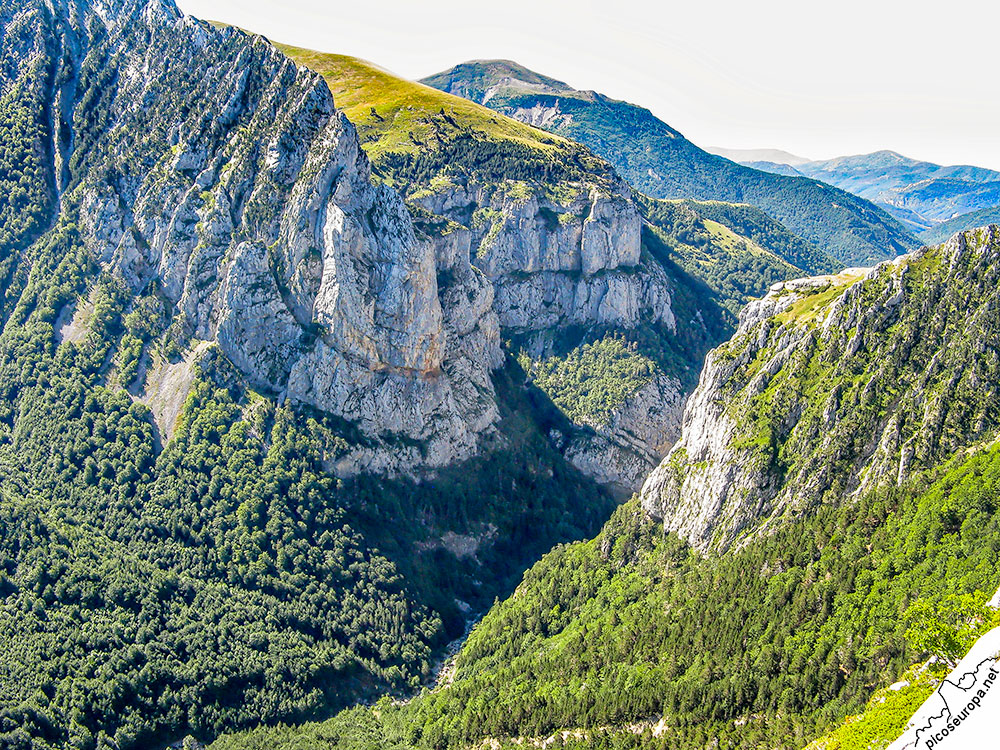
[[344, 411], [922, 195]]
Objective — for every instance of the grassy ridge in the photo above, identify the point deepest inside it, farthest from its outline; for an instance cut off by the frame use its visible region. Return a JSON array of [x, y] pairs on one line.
[[419, 138], [396, 115]]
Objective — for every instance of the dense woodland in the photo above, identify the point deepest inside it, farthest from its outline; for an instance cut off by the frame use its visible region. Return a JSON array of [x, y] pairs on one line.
[[768, 646], [24, 181], [593, 379]]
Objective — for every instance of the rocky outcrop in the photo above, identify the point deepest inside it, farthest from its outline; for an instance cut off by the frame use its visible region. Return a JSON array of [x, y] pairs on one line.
[[205, 161], [638, 435], [834, 386], [571, 260]]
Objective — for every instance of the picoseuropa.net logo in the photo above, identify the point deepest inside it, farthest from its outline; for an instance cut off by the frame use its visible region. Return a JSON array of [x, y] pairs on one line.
[[957, 718], [964, 712]]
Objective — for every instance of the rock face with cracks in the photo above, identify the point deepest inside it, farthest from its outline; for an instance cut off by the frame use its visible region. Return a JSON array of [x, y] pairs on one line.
[[202, 162], [576, 262], [204, 167], [834, 386]]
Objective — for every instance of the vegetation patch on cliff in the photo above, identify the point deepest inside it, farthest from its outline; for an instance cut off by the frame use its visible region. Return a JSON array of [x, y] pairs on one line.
[[592, 380]]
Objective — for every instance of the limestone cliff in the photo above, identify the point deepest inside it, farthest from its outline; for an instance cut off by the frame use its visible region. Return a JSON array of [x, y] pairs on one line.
[[557, 234], [561, 262], [575, 260], [205, 164], [836, 385]]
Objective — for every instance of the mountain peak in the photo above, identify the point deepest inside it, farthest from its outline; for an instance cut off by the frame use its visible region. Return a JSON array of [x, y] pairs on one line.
[[657, 160], [480, 80], [743, 155], [882, 157]]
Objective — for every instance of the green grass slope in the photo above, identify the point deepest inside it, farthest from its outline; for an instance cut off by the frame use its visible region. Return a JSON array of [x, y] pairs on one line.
[[660, 162], [416, 135], [736, 250]]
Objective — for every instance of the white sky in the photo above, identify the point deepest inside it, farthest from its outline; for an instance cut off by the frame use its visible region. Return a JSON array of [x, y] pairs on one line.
[[819, 79]]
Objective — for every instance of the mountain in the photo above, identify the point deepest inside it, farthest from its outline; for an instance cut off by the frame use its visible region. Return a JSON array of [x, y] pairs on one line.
[[286, 401], [773, 168], [658, 161], [919, 193], [834, 385], [587, 275], [232, 363], [744, 155], [851, 512], [289, 401], [941, 199], [941, 232]]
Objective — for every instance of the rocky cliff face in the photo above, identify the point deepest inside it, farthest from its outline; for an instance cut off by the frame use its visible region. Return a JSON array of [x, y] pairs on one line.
[[837, 385], [205, 163], [571, 260], [575, 260], [639, 434], [558, 235]]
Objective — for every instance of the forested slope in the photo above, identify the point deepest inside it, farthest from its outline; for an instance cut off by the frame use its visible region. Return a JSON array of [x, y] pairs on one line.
[[660, 162], [637, 638], [191, 541], [638, 642]]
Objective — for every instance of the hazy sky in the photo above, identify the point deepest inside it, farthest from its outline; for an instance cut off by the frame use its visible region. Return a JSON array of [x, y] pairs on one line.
[[817, 79]]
